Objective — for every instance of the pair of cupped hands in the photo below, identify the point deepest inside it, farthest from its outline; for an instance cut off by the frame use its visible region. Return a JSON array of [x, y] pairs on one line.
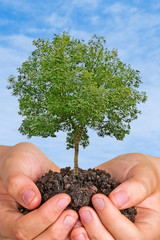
[[22, 164]]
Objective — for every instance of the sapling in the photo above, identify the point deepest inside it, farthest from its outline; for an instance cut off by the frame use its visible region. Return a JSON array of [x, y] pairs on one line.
[[71, 85]]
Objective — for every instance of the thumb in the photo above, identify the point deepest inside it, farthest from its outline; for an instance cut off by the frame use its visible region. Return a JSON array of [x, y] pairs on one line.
[[23, 190], [141, 181]]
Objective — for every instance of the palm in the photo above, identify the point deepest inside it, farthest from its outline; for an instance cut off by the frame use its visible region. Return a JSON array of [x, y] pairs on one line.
[[8, 211], [148, 215], [24, 161], [141, 176]]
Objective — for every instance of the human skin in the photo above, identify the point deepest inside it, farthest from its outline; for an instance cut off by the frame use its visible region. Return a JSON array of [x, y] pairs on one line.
[[139, 175], [20, 166]]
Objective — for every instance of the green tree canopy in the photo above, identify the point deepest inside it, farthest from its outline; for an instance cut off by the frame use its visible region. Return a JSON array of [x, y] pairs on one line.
[[70, 85]]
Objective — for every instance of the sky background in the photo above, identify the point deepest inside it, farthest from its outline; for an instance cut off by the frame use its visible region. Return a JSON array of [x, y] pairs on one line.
[[132, 27]]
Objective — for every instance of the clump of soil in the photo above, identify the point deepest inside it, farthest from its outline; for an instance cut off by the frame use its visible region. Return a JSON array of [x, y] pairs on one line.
[[81, 188]]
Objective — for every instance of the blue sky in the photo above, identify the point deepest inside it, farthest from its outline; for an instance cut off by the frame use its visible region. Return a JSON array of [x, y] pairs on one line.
[[132, 27]]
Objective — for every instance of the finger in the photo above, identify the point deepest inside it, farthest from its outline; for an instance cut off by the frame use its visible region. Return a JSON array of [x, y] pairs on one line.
[[93, 225], [32, 224], [116, 223], [23, 190], [79, 234], [61, 228], [78, 224], [27, 158], [141, 181], [21, 167], [17, 181]]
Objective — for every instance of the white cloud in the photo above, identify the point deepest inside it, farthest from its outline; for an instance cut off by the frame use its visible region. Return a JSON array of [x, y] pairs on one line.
[[135, 33], [156, 5], [131, 19], [19, 42], [133, 30], [19, 6], [95, 19], [34, 30], [10, 59], [80, 34], [15, 51], [9, 116], [117, 8], [57, 21], [144, 20], [147, 126]]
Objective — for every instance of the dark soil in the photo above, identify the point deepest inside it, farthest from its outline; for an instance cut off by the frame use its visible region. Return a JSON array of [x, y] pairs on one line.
[[81, 188]]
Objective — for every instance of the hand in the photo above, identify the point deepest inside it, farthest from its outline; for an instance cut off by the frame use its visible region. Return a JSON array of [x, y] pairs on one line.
[[20, 166], [139, 175]]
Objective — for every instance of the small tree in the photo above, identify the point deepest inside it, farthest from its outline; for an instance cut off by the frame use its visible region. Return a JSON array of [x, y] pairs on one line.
[[69, 85]]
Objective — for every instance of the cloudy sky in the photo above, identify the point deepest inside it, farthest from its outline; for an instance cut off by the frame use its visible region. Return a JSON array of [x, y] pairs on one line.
[[132, 27]]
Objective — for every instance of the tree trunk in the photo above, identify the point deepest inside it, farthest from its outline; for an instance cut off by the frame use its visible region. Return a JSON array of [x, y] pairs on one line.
[[76, 151]]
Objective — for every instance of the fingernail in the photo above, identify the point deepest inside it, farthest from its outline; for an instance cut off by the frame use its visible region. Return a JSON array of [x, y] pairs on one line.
[[79, 237], [28, 196], [98, 203], [77, 226], [121, 198], [62, 203], [69, 221], [86, 216]]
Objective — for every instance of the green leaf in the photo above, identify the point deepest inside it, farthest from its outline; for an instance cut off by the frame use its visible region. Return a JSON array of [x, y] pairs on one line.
[[68, 85]]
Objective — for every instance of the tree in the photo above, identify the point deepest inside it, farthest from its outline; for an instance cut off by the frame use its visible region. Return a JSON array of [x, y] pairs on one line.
[[69, 85]]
